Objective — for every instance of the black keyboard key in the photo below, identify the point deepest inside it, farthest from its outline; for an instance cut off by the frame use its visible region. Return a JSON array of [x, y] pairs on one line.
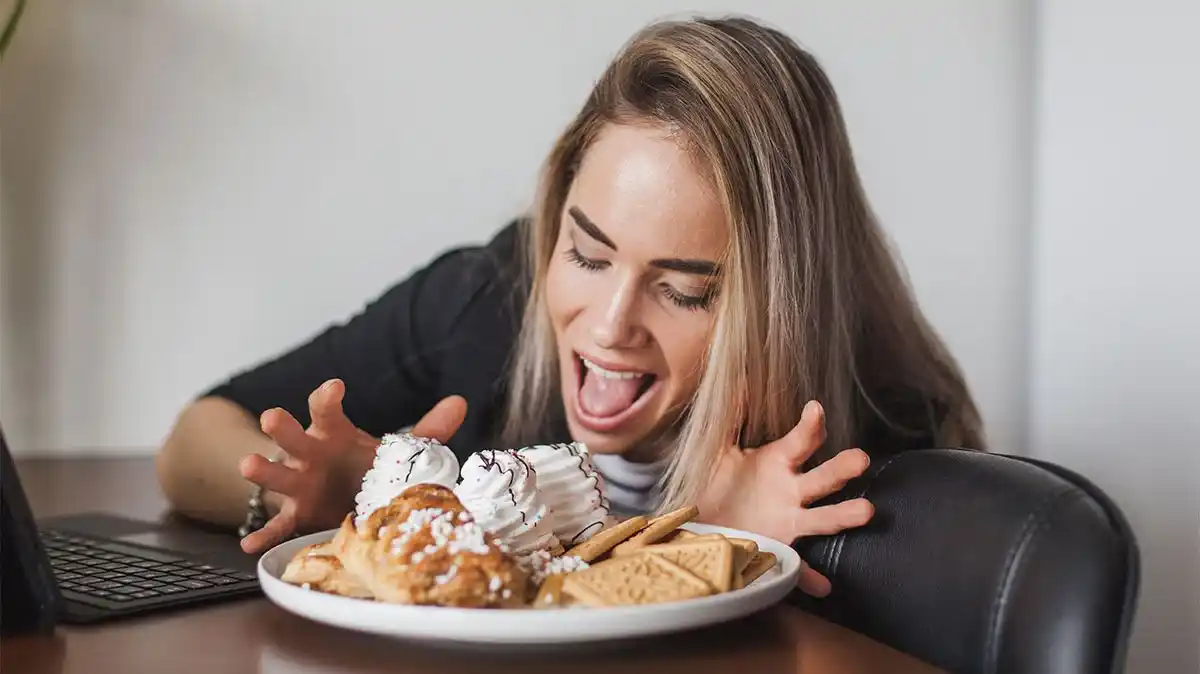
[[221, 580], [119, 597], [188, 573], [105, 585], [145, 594], [171, 589], [127, 589], [195, 584], [128, 552]]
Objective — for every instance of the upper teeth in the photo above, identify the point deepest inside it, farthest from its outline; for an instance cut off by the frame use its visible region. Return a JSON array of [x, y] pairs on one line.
[[609, 374]]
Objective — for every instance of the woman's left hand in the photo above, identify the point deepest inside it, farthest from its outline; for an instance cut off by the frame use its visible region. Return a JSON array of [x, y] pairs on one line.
[[761, 490]]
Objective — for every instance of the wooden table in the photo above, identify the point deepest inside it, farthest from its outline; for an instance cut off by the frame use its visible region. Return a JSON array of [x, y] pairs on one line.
[[256, 636]]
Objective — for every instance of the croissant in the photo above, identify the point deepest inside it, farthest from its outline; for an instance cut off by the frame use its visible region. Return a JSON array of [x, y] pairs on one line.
[[425, 548], [316, 567]]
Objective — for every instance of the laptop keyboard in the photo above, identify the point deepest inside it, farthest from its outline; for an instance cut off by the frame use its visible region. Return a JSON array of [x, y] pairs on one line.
[[110, 574]]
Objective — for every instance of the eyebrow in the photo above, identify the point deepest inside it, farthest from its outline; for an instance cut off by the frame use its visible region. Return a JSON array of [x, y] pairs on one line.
[[698, 267], [585, 223]]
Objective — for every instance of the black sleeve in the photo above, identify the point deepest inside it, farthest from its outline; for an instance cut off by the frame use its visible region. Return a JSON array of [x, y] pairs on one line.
[[389, 354]]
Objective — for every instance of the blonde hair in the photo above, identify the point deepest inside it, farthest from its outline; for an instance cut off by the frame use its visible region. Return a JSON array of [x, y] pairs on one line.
[[812, 304]]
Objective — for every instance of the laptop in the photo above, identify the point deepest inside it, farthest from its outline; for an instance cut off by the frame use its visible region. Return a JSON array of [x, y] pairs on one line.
[[96, 567]]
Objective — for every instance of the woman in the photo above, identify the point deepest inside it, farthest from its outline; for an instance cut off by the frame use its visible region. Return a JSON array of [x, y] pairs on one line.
[[700, 267]]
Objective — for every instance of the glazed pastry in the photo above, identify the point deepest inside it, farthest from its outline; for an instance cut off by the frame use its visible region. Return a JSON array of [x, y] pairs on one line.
[[426, 548], [316, 567]]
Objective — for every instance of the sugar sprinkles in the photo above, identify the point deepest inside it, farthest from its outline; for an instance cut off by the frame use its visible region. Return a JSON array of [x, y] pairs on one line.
[[448, 576], [467, 536], [542, 564]]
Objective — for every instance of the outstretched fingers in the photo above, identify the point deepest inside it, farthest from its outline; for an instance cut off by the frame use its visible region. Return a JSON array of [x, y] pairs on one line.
[[325, 408], [805, 437], [812, 582], [270, 475], [287, 432], [830, 477], [442, 422], [831, 519], [274, 531]]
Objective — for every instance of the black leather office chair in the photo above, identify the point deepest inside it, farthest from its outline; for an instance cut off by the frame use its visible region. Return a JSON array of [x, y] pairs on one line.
[[984, 564]]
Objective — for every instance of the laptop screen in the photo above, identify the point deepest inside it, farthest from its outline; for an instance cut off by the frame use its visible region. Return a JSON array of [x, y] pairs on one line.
[[29, 598]]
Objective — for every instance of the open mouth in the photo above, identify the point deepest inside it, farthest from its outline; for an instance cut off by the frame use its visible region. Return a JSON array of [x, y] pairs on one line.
[[608, 396]]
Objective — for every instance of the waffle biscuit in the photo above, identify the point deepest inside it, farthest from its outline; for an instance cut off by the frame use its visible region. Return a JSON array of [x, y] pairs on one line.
[[657, 529], [550, 595], [607, 539], [760, 564], [710, 560], [634, 580], [678, 536]]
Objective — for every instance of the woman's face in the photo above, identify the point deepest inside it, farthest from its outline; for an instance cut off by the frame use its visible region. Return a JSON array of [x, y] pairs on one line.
[[631, 287]]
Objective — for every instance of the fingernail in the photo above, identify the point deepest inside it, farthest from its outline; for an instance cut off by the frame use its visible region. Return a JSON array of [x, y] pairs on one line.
[[813, 407]]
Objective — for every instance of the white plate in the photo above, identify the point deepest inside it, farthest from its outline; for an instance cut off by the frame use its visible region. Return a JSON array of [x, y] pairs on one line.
[[513, 626]]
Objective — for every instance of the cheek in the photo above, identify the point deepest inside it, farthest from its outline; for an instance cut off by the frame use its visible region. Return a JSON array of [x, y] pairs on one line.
[[684, 344], [565, 293]]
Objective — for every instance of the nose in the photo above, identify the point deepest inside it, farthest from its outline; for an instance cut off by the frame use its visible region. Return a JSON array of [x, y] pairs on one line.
[[619, 326]]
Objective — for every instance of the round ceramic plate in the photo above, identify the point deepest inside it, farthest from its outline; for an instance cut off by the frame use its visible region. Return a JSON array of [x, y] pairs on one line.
[[513, 626]]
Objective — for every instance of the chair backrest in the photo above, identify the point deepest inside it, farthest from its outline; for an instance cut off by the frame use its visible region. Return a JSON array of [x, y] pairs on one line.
[[983, 563]]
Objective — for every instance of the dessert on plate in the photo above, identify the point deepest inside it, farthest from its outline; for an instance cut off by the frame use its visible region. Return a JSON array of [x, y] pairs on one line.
[[425, 548], [572, 488], [492, 534], [500, 489], [402, 460]]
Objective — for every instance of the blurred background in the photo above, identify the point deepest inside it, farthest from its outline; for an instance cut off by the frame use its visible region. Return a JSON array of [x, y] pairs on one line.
[[189, 186]]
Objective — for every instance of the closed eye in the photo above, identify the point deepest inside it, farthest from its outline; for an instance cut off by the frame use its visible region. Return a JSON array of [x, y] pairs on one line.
[[702, 301], [579, 260]]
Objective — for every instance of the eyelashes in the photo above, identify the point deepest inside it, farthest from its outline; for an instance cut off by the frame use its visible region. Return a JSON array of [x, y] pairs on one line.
[[574, 256], [690, 302]]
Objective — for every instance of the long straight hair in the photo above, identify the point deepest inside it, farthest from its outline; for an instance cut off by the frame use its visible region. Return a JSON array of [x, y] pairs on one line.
[[812, 304]]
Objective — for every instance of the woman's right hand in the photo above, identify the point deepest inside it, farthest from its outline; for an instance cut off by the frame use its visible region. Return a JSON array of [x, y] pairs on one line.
[[314, 484]]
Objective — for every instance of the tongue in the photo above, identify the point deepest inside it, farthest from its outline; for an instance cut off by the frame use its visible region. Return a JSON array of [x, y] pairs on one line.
[[601, 397]]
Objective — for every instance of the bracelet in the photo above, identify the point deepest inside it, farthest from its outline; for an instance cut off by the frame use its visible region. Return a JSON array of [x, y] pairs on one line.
[[256, 511]]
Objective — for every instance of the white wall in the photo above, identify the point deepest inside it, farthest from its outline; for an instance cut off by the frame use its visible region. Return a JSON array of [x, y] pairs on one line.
[[194, 184], [1116, 333]]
